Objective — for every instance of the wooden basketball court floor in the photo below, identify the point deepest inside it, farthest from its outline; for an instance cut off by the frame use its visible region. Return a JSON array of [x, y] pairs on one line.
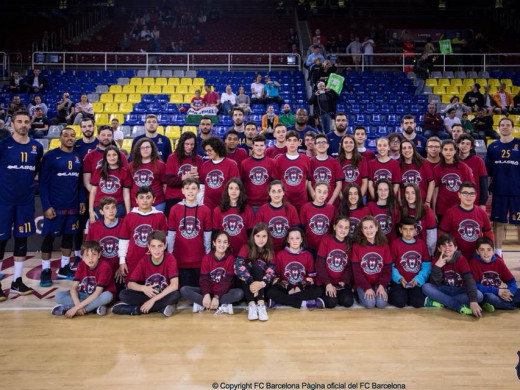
[[299, 349]]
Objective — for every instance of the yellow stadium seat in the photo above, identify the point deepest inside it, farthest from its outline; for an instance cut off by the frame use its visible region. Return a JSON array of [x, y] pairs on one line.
[[181, 89], [77, 130], [119, 117], [464, 89], [97, 106], [168, 89], [173, 132], [128, 88], [120, 98], [111, 108], [482, 82], [148, 81], [446, 99], [174, 143], [443, 82], [106, 98], [173, 81], [193, 88], [489, 141], [198, 81], [439, 90], [507, 82], [456, 82], [515, 118], [127, 144], [193, 129], [176, 98], [160, 129], [136, 81], [134, 98], [115, 89], [187, 98], [496, 119], [186, 81], [452, 90], [101, 119], [55, 143], [431, 82], [155, 89], [516, 132], [161, 81], [141, 89], [494, 82], [468, 82], [125, 108], [471, 117]]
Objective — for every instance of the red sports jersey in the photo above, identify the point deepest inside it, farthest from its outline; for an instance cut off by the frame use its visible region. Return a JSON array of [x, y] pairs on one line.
[[449, 178], [431, 165], [371, 265], [136, 228], [327, 170], [368, 155], [174, 171], [94, 158], [256, 176], [389, 170], [426, 223], [156, 275], [108, 239], [478, 169], [113, 186], [452, 274], [354, 174], [279, 220], [189, 224], [316, 221], [238, 156], [387, 222], [274, 151], [294, 267], [408, 257], [356, 216], [293, 173], [216, 275], [422, 176], [214, 176], [100, 276], [466, 226], [148, 175], [235, 224], [333, 264], [490, 274]]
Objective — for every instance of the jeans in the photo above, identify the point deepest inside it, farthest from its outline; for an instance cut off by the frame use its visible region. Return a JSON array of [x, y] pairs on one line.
[[499, 303], [326, 123], [420, 86], [371, 303], [225, 108], [451, 297], [194, 294], [439, 133], [64, 298]]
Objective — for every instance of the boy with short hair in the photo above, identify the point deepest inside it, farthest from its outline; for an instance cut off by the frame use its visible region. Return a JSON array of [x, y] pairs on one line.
[[327, 169], [280, 145], [491, 274], [93, 286], [153, 286], [451, 282], [360, 135]]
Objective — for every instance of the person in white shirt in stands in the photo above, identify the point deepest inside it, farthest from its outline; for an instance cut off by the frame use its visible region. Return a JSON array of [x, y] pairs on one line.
[[451, 120], [118, 134], [354, 48], [368, 47], [257, 90], [228, 100]]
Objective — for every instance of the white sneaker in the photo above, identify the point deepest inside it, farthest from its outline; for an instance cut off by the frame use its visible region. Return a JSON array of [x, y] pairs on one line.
[[262, 313], [252, 313], [101, 310], [226, 308], [197, 308], [168, 310]]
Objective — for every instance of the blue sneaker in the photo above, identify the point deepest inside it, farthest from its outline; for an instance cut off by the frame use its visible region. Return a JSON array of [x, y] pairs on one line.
[[272, 304], [60, 310], [124, 308], [46, 278]]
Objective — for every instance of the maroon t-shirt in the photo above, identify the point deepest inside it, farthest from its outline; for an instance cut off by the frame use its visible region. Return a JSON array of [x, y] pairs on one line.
[[354, 174], [316, 221], [112, 186], [478, 168], [422, 176], [238, 156], [94, 158], [333, 264], [294, 267], [149, 175], [256, 176], [158, 276], [91, 278], [327, 170], [176, 168], [279, 220], [274, 151], [387, 222], [235, 224], [448, 178], [408, 257], [108, 239], [356, 216], [426, 223], [371, 265], [214, 176], [293, 173], [389, 170], [452, 274]]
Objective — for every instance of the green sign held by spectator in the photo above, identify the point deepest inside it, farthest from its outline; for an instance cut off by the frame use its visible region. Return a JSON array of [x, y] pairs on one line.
[[445, 46], [335, 83]]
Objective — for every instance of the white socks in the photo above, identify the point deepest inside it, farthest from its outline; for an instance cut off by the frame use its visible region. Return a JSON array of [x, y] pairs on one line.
[[65, 260], [498, 251], [18, 269], [46, 264]]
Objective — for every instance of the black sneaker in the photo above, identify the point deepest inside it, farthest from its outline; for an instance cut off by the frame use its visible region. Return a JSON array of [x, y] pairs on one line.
[[18, 287], [2, 295], [46, 278], [124, 308], [66, 273], [74, 266]]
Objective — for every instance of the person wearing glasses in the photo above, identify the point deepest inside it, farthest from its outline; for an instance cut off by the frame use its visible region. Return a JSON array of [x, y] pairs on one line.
[[65, 109]]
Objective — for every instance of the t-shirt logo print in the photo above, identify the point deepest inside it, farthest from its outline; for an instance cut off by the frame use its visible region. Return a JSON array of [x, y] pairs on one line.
[[385, 222], [233, 224], [412, 177], [351, 173], [337, 260], [157, 281], [88, 285], [217, 274], [189, 227], [491, 279], [319, 224], [258, 176], [215, 178], [469, 230], [111, 185], [452, 278], [294, 272], [382, 174], [411, 261], [278, 226], [293, 176], [322, 174], [452, 181], [372, 263], [184, 169], [141, 234], [109, 247], [143, 177]]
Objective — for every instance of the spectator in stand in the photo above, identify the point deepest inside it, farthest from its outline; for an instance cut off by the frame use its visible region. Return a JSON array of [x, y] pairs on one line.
[[83, 109], [156, 33], [311, 59], [228, 100], [36, 83], [199, 39], [516, 103], [243, 101], [196, 101], [434, 124], [408, 125], [292, 38], [489, 101], [286, 118], [124, 44], [119, 136], [451, 120], [422, 70], [466, 124], [368, 49], [65, 109], [37, 103], [456, 131], [429, 46], [483, 125], [15, 105], [323, 101], [39, 124], [257, 90], [315, 73], [332, 45], [341, 43], [211, 99], [474, 99], [16, 83], [269, 120], [327, 69], [272, 91], [354, 48], [459, 108], [4, 133], [173, 48], [319, 39], [503, 99]]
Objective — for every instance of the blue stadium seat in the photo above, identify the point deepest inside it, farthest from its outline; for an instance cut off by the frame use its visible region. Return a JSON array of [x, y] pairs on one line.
[[377, 120]]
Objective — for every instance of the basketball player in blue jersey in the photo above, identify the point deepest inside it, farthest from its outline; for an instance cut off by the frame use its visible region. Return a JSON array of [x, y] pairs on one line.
[[20, 160], [164, 146], [503, 166], [63, 200]]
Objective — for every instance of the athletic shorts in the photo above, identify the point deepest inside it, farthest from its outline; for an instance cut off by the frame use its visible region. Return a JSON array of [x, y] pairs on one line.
[[63, 223], [17, 218], [505, 209]]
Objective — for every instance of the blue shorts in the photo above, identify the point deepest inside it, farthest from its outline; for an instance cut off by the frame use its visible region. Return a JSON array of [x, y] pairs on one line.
[[17, 218], [63, 223], [503, 206]]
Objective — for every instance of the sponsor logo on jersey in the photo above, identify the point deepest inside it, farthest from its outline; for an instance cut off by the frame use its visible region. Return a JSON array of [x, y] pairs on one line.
[[452, 181], [350, 172], [278, 226], [23, 167], [157, 281], [372, 263], [217, 274], [34, 149], [143, 178], [109, 247], [452, 278], [141, 234], [189, 227], [491, 279], [258, 176], [385, 222], [337, 260], [322, 174], [412, 177], [233, 224], [215, 178], [111, 185], [294, 272], [319, 224], [469, 230], [382, 174], [99, 163], [293, 176], [411, 261], [88, 285]]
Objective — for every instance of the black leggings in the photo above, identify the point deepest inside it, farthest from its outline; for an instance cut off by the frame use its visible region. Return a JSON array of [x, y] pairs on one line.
[[258, 274], [194, 294], [189, 277], [400, 296], [138, 298], [344, 297], [280, 295]]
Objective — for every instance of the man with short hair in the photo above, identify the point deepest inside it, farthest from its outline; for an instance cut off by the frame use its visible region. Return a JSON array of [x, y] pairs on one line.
[[65, 108], [334, 137], [257, 90], [233, 152], [205, 132], [474, 98], [211, 98], [286, 118], [164, 146], [434, 124], [325, 169], [16, 83], [237, 115], [250, 133], [503, 99], [302, 126], [433, 151], [394, 141], [118, 134], [483, 125], [315, 54], [408, 125], [360, 135], [228, 100], [272, 91], [456, 131], [39, 124], [15, 105], [451, 120], [36, 83]]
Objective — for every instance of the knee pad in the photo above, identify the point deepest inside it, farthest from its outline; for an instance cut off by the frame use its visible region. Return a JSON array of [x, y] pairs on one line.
[[47, 244], [3, 244], [66, 241], [20, 246]]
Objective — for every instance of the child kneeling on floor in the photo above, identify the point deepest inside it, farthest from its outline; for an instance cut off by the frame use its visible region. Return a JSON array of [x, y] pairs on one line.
[[93, 287], [153, 286]]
